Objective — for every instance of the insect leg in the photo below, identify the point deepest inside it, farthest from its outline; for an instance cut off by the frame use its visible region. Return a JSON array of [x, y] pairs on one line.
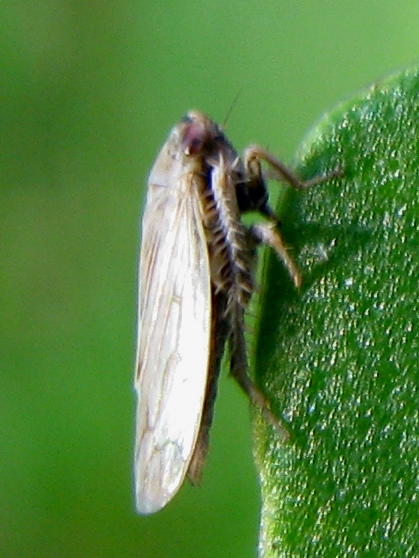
[[257, 192], [267, 233], [254, 154], [238, 369]]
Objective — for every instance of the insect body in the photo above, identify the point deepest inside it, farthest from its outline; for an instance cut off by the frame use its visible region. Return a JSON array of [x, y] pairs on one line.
[[195, 281]]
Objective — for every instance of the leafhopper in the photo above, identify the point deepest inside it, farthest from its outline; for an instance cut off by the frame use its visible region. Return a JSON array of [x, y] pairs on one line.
[[195, 282]]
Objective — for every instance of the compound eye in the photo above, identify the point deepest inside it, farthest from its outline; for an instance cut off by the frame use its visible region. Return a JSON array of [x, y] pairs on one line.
[[194, 138]]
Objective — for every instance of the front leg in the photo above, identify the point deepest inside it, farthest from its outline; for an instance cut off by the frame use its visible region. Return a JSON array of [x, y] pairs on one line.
[[267, 233], [253, 156]]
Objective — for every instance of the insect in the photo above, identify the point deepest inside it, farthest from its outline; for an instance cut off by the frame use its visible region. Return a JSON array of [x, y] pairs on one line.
[[195, 282]]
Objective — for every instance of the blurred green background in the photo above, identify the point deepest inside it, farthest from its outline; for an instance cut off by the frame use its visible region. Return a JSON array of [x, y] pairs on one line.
[[88, 93]]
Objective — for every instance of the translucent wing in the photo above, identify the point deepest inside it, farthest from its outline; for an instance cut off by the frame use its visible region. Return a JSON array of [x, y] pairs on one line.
[[174, 334]]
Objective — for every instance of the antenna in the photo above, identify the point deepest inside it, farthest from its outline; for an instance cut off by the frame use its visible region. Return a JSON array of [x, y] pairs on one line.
[[230, 110]]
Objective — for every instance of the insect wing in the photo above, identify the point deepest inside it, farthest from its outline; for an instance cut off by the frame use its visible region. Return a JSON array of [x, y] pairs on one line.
[[174, 334]]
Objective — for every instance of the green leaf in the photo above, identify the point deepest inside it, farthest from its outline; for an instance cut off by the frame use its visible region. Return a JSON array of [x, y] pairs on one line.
[[339, 358]]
